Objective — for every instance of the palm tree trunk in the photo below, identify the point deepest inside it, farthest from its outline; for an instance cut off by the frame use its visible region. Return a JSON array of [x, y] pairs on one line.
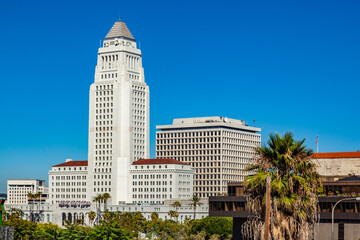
[[194, 212]]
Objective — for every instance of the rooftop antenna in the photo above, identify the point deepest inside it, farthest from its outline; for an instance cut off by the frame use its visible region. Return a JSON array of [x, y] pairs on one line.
[[139, 45], [100, 42]]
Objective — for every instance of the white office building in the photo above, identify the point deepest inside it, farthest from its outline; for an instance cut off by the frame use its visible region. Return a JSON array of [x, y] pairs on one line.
[[68, 182], [18, 189], [157, 180], [217, 148], [118, 116]]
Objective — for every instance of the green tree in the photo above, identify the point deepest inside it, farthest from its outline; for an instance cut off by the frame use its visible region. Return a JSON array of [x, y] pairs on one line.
[[132, 223], [194, 203], [108, 231], [76, 232], [92, 216], [105, 198], [14, 213], [31, 197], [173, 214], [219, 226], [176, 205], [23, 229], [154, 216], [47, 231], [294, 188]]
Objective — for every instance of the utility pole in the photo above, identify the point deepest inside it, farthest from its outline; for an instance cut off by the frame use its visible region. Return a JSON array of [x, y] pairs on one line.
[[267, 212]]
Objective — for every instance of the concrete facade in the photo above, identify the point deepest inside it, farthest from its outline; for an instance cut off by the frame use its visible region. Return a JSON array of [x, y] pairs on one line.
[[68, 182], [118, 116], [217, 148], [18, 189], [56, 213], [157, 180], [337, 165]]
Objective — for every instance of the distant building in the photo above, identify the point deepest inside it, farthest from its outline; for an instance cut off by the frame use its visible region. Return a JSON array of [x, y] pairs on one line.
[[337, 165], [217, 148], [18, 189], [156, 180], [68, 182]]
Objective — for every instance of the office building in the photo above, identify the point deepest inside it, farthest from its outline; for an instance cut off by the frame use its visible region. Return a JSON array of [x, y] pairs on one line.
[[18, 189], [156, 180], [68, 182], [118, 116], [217, 148]]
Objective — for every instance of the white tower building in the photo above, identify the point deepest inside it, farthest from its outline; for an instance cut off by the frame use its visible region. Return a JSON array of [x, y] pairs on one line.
[[118, 116]]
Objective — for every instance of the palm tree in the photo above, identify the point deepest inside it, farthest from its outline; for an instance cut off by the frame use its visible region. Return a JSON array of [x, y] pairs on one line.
[[173, 213], [38, 197], [92, 216], [176, 205], [194, 203], [294, 188], [105, 197], [154, 216], [97, 200], [31, 197]]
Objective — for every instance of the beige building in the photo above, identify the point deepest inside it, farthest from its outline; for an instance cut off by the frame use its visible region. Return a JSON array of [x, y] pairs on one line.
[[18, 189], [118, 115], [217, 148], [157, 180], [337, 165], [68, 182]]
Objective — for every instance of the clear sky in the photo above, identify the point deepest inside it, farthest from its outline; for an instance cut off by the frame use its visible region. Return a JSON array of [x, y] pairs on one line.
[[291, 65]]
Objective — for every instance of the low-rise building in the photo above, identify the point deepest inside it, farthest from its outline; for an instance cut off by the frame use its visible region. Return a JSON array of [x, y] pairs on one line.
[[18, 190], [337, 165], [68, 182], [156, 180], [346, 217]]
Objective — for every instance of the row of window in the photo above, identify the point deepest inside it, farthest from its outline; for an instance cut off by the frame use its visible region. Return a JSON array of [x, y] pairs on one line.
[[188, 140], [69, 184], [102, 190], [69, 177], [102, 183], [152, 196], [102, 170], [187, 134], [140, 183], [68, 196], [188, 152], [151, 176], [105, 87], [68, 190]]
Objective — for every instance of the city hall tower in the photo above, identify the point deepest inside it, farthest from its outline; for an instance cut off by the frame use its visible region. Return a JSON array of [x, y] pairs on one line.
[[118, 115]]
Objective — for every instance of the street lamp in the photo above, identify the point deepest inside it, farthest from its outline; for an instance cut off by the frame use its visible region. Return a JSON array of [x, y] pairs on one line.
[[333, 211]]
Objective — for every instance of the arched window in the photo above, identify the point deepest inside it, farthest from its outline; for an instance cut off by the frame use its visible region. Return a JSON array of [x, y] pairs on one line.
[[69, 217], [48, 218], [63, 218]]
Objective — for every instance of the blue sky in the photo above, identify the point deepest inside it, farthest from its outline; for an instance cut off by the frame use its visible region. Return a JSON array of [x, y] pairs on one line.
[[291, 65]]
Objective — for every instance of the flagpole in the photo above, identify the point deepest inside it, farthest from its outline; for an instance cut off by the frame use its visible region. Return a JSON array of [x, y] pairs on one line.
[[317, 144]]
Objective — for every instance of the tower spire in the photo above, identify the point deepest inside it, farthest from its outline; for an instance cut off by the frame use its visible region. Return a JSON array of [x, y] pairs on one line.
[[119, 30]]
